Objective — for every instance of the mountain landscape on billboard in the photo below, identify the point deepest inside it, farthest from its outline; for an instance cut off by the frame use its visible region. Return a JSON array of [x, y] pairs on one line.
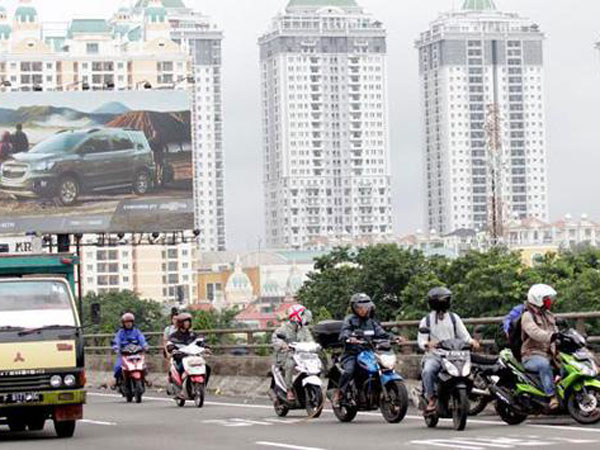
[[52, 116], [112, 108], [171, 127]]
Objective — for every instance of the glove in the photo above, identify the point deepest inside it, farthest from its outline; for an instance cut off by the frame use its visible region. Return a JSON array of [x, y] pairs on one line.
[[554, 337]]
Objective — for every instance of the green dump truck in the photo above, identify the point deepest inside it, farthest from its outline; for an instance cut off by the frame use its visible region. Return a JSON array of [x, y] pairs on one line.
[[42, 374]]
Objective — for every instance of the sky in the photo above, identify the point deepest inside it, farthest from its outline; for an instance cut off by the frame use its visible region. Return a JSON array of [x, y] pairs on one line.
[[572, 69]]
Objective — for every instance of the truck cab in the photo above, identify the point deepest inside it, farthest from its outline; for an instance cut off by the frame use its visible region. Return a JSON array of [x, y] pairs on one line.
[[42, 371]]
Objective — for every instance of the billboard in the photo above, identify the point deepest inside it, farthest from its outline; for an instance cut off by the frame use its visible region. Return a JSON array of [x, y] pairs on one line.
[[96, 161]]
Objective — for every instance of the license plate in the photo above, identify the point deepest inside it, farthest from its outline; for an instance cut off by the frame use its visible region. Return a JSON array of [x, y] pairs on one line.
[[21, 397]]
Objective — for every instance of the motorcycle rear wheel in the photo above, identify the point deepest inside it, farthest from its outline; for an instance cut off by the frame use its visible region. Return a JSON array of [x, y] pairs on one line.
[[460, 409], [575, 405], [508, 414], [314, 400], [199, 395], [477, 402], [394, 410], [431, 420], [180, 402]]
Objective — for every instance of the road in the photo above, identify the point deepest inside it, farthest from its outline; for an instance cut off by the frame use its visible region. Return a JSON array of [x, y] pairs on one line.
[[111, 424]]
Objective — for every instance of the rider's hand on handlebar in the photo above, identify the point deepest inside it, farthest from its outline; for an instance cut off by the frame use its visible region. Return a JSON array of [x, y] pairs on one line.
[[399, 340], [353, 341], [431, 345], [475, 345]]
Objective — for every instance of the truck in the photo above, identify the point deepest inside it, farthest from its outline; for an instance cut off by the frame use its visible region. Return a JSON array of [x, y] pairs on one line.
[[42, 371]]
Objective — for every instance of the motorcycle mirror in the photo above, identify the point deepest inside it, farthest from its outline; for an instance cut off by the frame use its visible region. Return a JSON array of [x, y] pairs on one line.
[[424, 330], [281, 336]]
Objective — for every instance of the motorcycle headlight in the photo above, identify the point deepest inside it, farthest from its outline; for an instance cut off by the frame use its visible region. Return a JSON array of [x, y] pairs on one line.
[[70, 380], [466, 370], [451, 368], [588, 369], [55, 381], [388, 361], [43, 166]]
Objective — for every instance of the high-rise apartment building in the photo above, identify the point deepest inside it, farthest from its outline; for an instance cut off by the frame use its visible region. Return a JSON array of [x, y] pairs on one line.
[[325, 126], [482, 86], [160, 44]]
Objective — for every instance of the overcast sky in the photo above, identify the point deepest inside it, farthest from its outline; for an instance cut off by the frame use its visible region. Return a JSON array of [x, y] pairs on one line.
[[572, 68]]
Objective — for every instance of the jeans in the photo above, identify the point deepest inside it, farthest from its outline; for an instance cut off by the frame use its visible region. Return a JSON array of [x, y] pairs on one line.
[[118, 367], [432, 365], [348, 366], [542, 366]]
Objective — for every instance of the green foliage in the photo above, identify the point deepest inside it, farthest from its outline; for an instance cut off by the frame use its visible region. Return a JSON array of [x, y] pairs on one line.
[[484, 283]]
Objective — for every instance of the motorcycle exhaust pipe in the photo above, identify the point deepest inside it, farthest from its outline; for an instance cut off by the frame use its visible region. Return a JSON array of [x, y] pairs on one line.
[[477, 391]]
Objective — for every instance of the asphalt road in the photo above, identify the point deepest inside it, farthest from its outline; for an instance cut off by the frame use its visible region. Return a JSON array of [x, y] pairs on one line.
[[229, 424]]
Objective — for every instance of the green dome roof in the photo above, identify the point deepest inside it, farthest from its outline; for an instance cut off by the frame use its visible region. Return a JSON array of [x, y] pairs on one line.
[[322, 3], [156, 13], [26, 13], [479, 5], [4, 31]]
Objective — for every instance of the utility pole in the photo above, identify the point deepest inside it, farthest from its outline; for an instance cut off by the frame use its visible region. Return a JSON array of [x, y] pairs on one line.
[[495, 165]]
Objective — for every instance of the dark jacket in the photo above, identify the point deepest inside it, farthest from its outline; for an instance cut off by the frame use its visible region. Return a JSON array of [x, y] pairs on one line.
[[20, 142], [181, 338], [353, 323]]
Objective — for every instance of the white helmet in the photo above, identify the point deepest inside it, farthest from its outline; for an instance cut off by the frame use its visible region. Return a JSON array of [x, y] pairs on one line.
[[541, 295]]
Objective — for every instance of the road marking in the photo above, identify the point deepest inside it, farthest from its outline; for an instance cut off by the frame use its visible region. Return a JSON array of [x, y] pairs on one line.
[[98, 422], [251, 422], [484, 443], [565, 427], [293, 447], [446, 443]]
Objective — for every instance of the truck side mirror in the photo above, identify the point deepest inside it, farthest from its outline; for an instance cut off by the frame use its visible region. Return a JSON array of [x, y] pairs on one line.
[[96, 315]]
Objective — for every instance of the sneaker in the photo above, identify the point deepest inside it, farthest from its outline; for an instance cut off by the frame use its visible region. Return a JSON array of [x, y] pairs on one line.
[[431, 406]]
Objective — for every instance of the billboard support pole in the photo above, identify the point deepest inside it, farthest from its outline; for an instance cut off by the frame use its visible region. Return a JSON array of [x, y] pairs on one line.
[[79, 285]]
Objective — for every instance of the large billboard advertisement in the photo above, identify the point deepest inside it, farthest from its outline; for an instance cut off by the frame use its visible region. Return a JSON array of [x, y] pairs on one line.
[[95, 161]]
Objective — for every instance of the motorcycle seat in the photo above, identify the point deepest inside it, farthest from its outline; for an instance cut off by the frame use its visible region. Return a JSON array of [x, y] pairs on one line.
[[484, 360]]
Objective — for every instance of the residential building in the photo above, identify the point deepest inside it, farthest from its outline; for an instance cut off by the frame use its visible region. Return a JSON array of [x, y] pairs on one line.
[[326, 162], [482, 86], [158, 44]]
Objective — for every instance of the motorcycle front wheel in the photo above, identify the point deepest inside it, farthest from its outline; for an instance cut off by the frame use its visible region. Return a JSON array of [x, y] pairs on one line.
[[345, 412], [280, 408], [431, 420], [460, 409], [138, 390], [314, 400], [128, 388], [199, 395], [584, 406], [478, 402], [395, 405]]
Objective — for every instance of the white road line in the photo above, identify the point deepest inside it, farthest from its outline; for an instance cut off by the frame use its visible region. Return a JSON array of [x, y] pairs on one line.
[[98, 422], [293, 447], [245, 405], [446, 443]]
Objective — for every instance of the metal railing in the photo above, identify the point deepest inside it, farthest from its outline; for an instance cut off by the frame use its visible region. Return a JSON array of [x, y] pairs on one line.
[[257, 340]]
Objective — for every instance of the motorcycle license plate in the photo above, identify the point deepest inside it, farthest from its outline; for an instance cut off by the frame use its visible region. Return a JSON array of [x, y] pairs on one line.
[[21, 398], [458, 354]]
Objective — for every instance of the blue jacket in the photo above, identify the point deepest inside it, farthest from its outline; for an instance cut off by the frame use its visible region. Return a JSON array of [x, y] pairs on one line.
[[514, 313], [125, 337]]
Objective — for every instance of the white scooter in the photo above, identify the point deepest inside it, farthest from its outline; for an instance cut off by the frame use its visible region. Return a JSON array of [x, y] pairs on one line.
[[306, 384], [191, 384]]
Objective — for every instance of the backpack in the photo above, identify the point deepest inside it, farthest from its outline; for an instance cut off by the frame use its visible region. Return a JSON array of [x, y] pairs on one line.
[[452, 318], [512, 327]]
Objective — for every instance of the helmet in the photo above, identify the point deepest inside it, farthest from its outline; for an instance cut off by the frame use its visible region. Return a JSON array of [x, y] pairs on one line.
[[439, 299], [361, 299], [541, 295], [183, 317], [174, 311], [299, 314], [127, 317]]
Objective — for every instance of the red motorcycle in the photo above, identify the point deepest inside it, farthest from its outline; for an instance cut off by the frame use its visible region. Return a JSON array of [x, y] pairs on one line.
[[133, 378]]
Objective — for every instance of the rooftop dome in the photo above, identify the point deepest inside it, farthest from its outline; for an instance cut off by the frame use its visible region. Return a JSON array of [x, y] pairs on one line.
[[26, 13], [271, 287], [295, 281], [322, 3], [238, 281], [4, 31], [479, 5]]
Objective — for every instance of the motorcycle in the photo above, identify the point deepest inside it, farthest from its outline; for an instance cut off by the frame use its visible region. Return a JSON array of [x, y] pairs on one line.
[[307, 385], [519, 392], [480, 396], [191, 384], [376, 384], [133, 373], [453, 384]]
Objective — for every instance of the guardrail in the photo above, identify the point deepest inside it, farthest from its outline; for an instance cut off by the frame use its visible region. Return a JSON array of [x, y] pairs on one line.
[[257, 340]]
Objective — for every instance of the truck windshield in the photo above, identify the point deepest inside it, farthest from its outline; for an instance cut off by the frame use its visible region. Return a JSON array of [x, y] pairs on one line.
[[59, 143], [35, 303]]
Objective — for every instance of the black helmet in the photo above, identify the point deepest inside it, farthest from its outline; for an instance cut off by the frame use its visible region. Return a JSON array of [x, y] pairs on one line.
[[362, 299], [439, 299]]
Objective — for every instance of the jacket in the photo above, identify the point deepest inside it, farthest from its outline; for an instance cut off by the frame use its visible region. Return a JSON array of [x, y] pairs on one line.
[[293, 333], [353, 323], [181, 338], [125, 337], [537, 326]]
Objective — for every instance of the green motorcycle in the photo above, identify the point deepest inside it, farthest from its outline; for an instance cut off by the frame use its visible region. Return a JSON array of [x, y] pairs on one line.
[[519, 392]]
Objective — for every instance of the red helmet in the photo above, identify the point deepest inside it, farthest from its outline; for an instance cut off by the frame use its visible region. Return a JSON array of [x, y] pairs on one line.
[[127, 317], [183, 317]]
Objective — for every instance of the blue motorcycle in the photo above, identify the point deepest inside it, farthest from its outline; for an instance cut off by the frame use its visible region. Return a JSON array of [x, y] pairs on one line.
[[376, 384]]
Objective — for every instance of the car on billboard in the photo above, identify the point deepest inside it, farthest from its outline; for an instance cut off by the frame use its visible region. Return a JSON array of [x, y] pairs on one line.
[[69, 164]]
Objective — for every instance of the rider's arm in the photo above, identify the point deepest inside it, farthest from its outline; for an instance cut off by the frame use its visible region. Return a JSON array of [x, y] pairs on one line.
[[276, 341], [533, 330], [117, 341], [461, 331], [142, 340], [380, 333], [347, 330], [422, 338]]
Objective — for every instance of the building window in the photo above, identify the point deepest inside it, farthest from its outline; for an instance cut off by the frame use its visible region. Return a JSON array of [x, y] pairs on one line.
[[92, 48]]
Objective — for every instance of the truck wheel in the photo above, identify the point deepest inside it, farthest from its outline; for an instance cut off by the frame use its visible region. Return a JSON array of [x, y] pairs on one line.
[[64, 429], [67, 191], [141, 183]]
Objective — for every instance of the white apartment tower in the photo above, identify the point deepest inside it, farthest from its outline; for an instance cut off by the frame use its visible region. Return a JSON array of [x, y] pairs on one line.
[[477, 64], [325, 124]]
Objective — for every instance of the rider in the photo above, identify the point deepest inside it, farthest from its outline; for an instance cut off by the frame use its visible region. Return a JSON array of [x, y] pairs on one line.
[[183, 336], [539, 333], [170, 329], [442, 325], [361, 319], [128, 334], [294, 330]]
